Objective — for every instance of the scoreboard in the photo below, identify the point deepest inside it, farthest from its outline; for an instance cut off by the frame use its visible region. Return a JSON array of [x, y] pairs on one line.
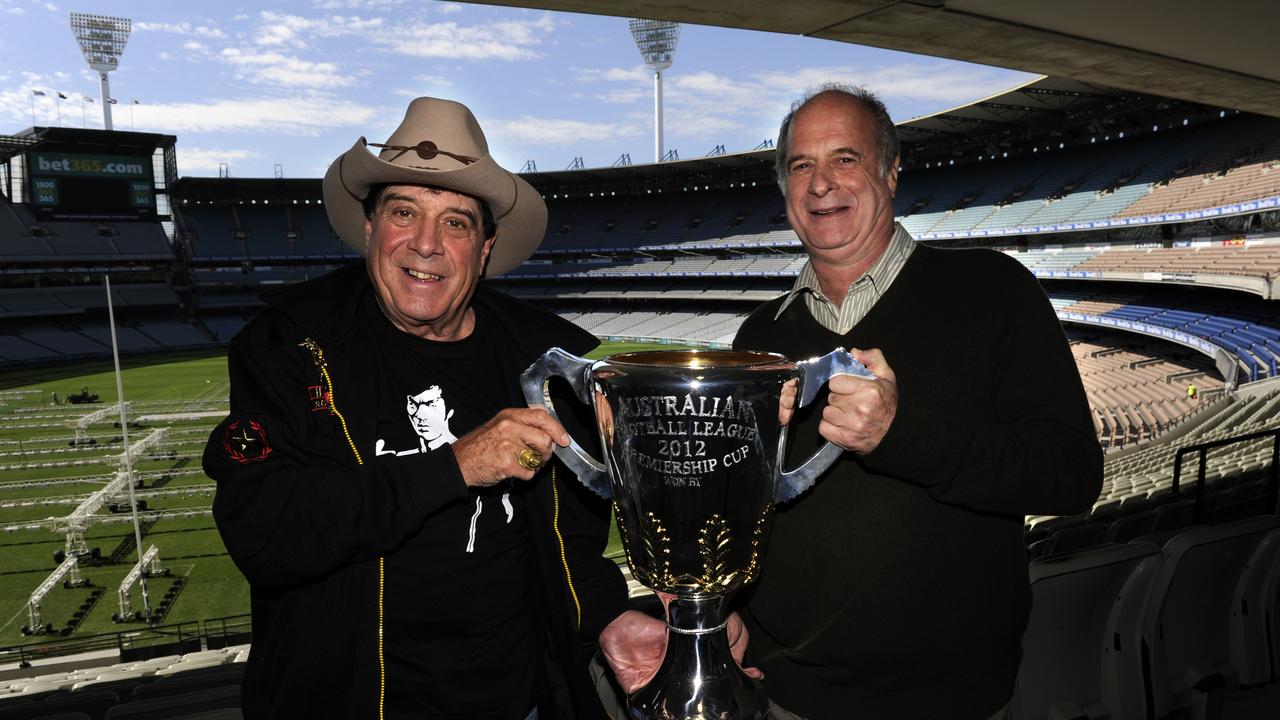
[[76, 186]]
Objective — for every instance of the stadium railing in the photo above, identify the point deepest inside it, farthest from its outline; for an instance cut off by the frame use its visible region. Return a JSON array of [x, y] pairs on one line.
[[142, 643]]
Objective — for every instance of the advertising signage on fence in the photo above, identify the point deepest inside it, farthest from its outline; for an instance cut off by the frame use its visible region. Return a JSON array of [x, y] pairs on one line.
[[79, 186]]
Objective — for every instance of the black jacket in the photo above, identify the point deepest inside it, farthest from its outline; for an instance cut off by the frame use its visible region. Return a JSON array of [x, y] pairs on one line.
[[307, 510]]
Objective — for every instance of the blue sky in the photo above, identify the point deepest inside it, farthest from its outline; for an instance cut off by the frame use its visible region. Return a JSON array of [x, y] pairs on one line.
[[255, 84]]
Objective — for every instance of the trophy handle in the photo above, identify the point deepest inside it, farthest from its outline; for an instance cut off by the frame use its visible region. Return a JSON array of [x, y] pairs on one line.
[[815, 374], [533, 382]]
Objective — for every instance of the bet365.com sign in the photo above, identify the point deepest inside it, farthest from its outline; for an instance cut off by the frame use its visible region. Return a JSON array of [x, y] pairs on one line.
[[101, 166]]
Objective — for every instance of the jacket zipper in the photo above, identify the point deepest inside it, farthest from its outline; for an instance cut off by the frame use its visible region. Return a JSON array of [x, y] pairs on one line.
[[317, 357]]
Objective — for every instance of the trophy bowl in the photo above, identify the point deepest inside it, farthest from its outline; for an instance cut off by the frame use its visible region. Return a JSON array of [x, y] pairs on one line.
[[693, 450]]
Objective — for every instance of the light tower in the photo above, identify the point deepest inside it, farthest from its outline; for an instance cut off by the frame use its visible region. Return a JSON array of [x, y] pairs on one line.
[[656, 40], [102, 40]]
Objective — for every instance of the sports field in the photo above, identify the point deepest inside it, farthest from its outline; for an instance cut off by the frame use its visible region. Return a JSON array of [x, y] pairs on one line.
[[45, 476]]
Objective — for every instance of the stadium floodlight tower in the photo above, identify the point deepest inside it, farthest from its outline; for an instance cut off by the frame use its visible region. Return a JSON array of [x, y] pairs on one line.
[[656, 40], [102, 40]]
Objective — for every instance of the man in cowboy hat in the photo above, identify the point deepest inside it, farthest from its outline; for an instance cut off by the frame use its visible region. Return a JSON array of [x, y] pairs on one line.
[[391, 577]]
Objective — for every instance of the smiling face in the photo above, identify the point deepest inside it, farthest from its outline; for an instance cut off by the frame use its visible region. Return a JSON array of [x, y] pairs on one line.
[[425, 252], [838, 200]]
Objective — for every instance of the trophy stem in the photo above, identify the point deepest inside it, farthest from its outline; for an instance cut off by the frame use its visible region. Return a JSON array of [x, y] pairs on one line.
[[699, 679]]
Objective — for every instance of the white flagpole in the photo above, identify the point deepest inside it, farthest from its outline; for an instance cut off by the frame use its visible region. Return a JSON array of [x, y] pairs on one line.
[[128, 460]]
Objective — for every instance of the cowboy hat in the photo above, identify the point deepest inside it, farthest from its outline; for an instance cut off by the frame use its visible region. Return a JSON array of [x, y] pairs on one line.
[[440, 144]]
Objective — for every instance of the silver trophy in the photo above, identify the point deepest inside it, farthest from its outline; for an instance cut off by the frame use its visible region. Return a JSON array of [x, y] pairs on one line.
[[693, 452]]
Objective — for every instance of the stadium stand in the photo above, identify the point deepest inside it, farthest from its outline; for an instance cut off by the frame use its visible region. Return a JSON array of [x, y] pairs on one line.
[[1127, 233]]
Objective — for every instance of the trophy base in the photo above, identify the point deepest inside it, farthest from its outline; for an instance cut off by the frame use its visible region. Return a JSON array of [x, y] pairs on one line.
[[699, 679]]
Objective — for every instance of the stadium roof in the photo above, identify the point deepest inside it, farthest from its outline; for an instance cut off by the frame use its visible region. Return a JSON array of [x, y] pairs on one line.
[[1221, 53], [1035, 115], [69, 139]]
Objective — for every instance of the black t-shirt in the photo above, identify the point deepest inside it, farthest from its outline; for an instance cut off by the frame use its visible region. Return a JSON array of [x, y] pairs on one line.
[[459, 629]]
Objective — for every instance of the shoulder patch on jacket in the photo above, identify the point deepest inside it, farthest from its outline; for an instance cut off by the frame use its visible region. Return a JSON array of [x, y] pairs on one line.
[[245, 441]]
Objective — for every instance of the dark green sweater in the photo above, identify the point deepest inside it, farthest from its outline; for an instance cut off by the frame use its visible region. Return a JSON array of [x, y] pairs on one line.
[[897, 587]]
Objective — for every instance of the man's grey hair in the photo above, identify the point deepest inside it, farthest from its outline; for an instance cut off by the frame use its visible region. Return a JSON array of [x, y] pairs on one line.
[[887, 146]]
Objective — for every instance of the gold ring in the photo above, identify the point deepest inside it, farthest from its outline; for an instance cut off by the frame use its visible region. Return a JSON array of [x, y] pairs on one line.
[[528, 459]]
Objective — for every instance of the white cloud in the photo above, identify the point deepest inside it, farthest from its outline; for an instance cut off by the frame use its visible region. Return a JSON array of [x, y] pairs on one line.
[[300, 115], [294, 30], [193, 46], [448, 7], [436, 80], [278, 69], [15, 11], [425, 85], [559, 132], [358, 4], [192, 159], [507, 40], [704, 105], [637, 74], [180, 28]]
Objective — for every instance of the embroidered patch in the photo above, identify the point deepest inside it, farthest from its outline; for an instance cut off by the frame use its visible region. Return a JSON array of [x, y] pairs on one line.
[[318, 398], [245, 441]]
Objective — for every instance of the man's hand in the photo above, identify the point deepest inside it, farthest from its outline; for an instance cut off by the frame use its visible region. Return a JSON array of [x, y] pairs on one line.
[[860, 410], [787, 401], [490, 454], [738, 637], [634, 644]]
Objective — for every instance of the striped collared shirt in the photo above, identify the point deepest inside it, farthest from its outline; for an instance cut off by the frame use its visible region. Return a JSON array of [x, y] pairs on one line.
[[863, 292]]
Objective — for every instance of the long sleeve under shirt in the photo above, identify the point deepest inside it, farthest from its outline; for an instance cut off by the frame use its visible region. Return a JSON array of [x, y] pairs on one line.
[[897, 587]]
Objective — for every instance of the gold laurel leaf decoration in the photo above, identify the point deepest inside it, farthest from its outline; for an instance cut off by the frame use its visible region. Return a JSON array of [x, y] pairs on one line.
[[638, 572], [657, 548], [753, 565], [713, 545]]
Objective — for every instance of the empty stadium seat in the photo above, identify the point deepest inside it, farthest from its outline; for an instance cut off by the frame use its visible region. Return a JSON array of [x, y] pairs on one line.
[[1255, 615], [1184, 623], [1061, 675], [1073, 539], [92, 703], [190, 681], [175, 706], [1129, 527]]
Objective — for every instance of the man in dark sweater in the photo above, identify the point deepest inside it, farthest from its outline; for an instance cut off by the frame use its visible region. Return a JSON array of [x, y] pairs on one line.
[[897, 587]]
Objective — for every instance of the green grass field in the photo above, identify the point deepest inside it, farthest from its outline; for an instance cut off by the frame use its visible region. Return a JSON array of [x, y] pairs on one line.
[[42, 476]]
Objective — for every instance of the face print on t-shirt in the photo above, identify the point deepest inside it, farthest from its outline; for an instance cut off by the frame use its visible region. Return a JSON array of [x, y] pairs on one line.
[[429, 415]]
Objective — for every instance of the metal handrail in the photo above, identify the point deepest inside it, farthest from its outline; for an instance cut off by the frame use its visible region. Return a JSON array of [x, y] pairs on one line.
[[1204, 448], [121, 641]]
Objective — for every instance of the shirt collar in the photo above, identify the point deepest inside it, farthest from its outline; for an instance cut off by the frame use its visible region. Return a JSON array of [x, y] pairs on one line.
[[881, 272]]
